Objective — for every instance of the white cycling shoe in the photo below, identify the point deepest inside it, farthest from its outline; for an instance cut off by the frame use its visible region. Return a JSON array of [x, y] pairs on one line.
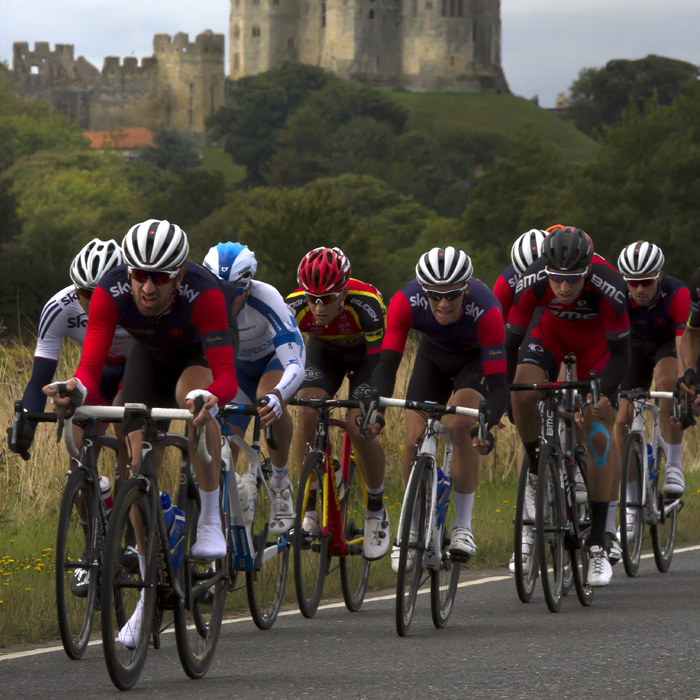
[[376, 537], [462, 545], [310, 524], [674, 481], [599, 569], [396, 554], [528, 543], [282, 516]]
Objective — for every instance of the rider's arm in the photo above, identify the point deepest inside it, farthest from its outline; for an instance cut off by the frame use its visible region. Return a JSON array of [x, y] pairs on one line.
[[618, 337], [504, 293], [398, 324], [209, 315], [493, 357]]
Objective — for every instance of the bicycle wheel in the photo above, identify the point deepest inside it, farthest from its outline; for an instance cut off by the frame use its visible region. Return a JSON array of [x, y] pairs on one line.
[[549, 526], [77, 562], [310, 549], [663, 533], [524, 580], [354, 568], [443, 581], [408, 579], [197, 625], [632, 482], [266, 582], [579, 569], [127, 593]]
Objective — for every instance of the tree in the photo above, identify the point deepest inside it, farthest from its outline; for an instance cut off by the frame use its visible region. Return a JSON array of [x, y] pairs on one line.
[[599, 96], [173, 151]]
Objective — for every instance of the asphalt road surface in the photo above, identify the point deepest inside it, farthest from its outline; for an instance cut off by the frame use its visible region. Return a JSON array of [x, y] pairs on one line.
[[639, 639]]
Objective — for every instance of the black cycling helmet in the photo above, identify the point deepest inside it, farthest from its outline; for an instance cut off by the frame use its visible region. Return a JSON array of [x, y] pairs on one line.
[[567, 248]]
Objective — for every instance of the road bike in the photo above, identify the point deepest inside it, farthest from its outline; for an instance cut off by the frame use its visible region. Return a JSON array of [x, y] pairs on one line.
[[427, 514], [561, 524], [641, 500], [262, 556], [170, 579], [335, 490]]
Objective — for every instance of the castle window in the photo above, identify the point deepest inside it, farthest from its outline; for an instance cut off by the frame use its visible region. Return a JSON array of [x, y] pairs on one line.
[[34, 70], [256, 32], [256, 2], [453, 8], [238, 3], [460, 8], [474, 32], [275, 2], [452, 60], [415, 8], [323, 14], [371, 14], [290, 42], [428, 6], [236, 61], [377, 61], [444, 8], [236, 31]]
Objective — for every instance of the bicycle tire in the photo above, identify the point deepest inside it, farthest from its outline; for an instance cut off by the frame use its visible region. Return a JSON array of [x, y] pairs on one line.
[[663, 533], [198, 626], [443, 581], [524, 582], [549, 526], [75, 543], [310, 551], [354, 568], [119, 596], [265, 586], [632, 472], [578, 558], [408, 578]]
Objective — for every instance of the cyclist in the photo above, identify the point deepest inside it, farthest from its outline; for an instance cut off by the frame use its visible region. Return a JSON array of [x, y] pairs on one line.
[[345, 320], [571, 300], [658, 307], [65, 316], [269, 362], [176, 313], [461, 355]]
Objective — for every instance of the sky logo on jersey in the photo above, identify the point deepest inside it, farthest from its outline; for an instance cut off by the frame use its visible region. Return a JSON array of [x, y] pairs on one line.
[[77, 321], [120, 288], [68, 298], [473, 310], [188, 293], [418, 300]]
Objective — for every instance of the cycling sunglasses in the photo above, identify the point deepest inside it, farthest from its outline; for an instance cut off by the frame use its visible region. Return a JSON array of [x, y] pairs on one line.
[[644, 282], [240, 290], [452, 295], [570, 277], [85, 293], [158, 276], [323, 299]]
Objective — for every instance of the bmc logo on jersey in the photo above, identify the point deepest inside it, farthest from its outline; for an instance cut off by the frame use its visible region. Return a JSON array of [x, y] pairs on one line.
[[417, 300], [77, 321], [608, 289], [529, 280], [188, 293], [120, 288], [473, 310]]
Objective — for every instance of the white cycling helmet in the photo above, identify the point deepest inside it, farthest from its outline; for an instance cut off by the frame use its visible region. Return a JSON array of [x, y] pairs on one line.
[[93, 261], [233, 262], [155, 245], [526, 249], [444, 266], [640, 258]]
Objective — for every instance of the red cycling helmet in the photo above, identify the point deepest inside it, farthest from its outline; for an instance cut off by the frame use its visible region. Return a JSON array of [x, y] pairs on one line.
[[323, 270]]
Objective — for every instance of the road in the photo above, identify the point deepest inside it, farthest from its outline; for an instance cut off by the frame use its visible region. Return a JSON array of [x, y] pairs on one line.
[[640, 639]]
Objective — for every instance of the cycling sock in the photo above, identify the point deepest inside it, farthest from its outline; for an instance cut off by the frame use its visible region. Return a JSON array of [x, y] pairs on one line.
[[142, 565], [674, 453], [464, 502], [531, 452], [279, 477], [210, 506], [631, 491], [612, 512], [375, 500], [599, 517]]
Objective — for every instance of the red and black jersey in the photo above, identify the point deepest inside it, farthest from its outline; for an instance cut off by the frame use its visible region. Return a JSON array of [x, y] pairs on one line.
[[362, 320], [665, 317], [197, 315], [504, 289]]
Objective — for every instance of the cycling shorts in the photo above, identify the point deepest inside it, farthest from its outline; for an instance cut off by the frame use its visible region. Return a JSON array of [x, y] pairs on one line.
[[327, 365], [645, 356], [249, 375], [550, 339], [151, 376], [438, 373]]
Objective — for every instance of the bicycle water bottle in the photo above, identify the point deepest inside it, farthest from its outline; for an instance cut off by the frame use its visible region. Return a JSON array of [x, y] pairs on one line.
[[106, 493], [175, 523], [248, 493], [650, 461], [443, 495]]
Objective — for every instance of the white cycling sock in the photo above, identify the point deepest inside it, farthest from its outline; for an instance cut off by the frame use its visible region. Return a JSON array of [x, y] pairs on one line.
[[464, 502], [279, 477], [612, 512], [210, 506], [142, 566], [674, 453]]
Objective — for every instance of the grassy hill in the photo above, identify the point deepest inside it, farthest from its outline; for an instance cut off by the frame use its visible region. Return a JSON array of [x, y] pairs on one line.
[[445, 113]]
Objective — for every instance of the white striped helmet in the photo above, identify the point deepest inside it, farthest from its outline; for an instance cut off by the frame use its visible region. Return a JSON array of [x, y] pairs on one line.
[[155, 245], [444, 266], [640, 258], [526, 249], [93, 261]]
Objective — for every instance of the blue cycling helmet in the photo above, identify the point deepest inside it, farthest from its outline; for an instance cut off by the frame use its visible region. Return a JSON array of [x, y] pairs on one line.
[[233, 262]]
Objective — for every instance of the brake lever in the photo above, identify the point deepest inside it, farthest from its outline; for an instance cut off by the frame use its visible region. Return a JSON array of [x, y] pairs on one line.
[[197, 429], [269, 435]]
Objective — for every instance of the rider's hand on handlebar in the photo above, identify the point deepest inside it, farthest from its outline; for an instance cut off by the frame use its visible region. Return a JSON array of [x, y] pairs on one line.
[[605, 411], [687, 384], [372, 431], [25, 436], [483, 448], [271, 410], [74, 390], [209, 410]]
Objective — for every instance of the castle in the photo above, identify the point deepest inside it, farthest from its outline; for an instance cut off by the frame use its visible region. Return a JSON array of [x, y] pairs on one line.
[[419, 45]]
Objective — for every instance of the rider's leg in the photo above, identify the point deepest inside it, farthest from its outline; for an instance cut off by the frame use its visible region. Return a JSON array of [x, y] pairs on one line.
[[526, 411], [665, 380], [305, 425]]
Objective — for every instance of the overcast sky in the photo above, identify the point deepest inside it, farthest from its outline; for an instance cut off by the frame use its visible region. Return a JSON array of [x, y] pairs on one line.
[[545, 42]]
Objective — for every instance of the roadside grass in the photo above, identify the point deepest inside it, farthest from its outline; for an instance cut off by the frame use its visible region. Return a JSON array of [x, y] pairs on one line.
[[30, 496], [449, 115]]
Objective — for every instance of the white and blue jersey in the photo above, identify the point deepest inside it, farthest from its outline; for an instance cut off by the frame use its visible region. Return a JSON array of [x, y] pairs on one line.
[[269, 339]]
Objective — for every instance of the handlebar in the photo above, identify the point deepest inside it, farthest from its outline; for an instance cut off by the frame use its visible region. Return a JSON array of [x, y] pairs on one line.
[[682, 406], [591, 385]]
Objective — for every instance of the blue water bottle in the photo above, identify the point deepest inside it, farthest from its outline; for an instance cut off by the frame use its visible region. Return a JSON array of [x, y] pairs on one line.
[[443, 495], [650, 461], [175, 523]]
